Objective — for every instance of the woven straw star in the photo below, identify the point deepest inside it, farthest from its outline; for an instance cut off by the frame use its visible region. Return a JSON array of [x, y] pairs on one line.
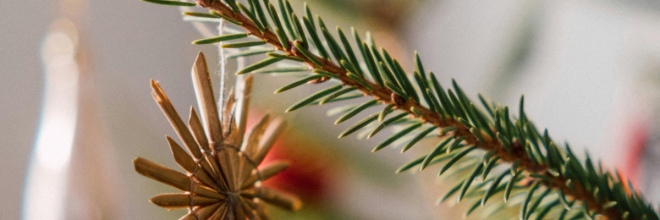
[[222, 180]]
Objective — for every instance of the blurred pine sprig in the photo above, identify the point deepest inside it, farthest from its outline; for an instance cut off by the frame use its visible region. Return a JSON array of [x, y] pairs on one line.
[[549, 178]]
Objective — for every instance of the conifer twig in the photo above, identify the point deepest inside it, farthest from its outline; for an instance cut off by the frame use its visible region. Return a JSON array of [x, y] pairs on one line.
[[386, 96]]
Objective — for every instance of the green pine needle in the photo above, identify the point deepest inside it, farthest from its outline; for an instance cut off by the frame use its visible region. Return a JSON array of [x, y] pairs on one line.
[[396, 136], [227, 18], [448, 129], [467, 182], [297, 83], [359, 125], [455, 159], [247, 53], [386, 123], [251, 15], [283, 70], [530, 194], [311, 29], [313, 97], [222, 38], [450, 192], [285, 57], [385, 111], [359, 80], [493, 187], [337, 94], [489, 166], [171, 3], [307, 54], [410, 164], [417, 138], [259, 65], [510, 184], [201, 15], [340, 98], [356, 111], [396, 90], [436, 151], [244, 44], [349, 51]]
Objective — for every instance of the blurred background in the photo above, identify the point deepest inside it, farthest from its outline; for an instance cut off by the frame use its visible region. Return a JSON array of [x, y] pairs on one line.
[[76, 104]]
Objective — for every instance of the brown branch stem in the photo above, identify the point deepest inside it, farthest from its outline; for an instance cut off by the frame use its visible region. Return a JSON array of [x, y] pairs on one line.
[[384, 95]]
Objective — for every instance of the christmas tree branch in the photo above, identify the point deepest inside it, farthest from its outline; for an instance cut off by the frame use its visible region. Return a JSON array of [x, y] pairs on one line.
[[385, 95]]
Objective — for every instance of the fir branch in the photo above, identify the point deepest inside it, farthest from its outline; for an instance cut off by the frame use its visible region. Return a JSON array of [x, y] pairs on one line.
[[531, 154]]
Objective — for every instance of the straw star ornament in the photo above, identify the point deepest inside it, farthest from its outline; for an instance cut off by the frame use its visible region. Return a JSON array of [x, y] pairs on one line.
[[222, 179]]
